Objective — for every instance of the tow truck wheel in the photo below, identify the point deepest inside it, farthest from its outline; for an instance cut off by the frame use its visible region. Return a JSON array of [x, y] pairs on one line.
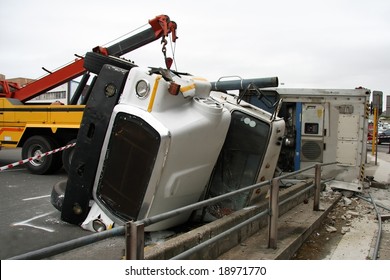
[[38, 145], [57, 194], [67, 156]]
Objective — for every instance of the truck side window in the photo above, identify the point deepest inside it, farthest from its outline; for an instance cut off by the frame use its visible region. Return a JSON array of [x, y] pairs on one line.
[[240, 159]]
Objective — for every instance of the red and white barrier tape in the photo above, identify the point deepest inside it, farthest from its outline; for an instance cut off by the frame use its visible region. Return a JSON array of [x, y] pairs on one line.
[[36, 157]]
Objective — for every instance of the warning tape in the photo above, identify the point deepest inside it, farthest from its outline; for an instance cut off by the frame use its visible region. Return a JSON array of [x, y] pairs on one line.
[[36, 157]]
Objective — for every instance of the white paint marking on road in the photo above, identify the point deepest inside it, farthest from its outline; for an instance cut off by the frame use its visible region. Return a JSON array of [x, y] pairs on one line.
[[37, 197], [37, 227], [14, 170], [26, 222]]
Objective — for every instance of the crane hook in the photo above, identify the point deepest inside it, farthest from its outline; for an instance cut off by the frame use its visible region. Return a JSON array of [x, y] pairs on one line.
[[168, 60]]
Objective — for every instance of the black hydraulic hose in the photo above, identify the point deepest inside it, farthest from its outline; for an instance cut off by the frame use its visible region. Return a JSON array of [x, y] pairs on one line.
[[80, 89], [368, 200], [379, 235]]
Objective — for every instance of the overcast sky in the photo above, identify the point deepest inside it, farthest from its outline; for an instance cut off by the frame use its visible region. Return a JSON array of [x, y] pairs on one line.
[[309, 44]]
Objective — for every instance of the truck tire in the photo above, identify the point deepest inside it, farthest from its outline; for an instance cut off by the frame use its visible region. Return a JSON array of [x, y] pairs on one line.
[[67, 156], [93, 62], [36, 145], [58, 194]]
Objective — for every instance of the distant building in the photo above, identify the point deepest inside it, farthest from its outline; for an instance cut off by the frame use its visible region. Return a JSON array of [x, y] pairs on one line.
[[62, 93], [21, 81]]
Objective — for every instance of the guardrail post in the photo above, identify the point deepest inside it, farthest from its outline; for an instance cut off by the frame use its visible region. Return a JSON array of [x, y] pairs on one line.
[[273, 215], [135, 242], [317, 182], [127, 241]]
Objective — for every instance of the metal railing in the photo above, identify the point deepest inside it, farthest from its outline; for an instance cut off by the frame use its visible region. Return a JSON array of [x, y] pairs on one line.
[[134, 230]]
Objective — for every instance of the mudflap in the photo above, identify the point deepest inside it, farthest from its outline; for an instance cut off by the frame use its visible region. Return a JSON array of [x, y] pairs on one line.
[[97, 113]]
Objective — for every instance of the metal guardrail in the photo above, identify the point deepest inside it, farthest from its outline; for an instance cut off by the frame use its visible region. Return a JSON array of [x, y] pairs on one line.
[[134, 230]]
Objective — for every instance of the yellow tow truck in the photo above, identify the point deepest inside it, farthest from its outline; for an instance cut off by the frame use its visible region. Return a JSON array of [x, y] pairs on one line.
[[38, 129]]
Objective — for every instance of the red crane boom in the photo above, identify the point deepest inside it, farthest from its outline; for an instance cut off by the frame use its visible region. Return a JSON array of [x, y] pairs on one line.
[[160, 27]]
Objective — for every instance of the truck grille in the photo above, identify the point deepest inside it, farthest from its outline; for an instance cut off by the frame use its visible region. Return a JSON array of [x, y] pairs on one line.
[[128, 165]]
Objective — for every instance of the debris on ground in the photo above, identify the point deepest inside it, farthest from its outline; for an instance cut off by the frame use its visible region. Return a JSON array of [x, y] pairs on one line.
[[350, 229]]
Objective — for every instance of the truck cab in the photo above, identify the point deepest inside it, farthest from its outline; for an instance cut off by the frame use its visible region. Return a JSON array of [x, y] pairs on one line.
[[152, 140]]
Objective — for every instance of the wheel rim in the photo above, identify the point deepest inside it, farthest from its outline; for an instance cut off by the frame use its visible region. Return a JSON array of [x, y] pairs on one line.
[[34, 151]]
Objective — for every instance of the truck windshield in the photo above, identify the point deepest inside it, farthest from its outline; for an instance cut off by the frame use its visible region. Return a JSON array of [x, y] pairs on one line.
[[240, 159], [129, 161]]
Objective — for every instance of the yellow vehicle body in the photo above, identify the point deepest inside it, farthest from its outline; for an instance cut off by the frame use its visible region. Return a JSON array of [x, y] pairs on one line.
[[51, 126]]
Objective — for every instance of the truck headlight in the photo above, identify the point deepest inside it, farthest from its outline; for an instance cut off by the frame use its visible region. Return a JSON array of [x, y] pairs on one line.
[[98, 225], [142, 89]]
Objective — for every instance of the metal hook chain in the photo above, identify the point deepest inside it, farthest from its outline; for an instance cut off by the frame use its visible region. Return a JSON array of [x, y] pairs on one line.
[[164, 43], [168, 60]]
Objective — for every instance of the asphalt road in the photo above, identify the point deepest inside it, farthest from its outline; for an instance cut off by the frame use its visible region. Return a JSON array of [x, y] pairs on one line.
[[382, 148], [28, 220]]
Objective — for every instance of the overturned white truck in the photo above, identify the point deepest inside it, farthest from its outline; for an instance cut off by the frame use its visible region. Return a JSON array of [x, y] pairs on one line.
[[152, 140]]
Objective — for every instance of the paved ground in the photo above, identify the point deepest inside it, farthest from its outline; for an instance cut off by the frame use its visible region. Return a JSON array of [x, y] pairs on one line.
[[350, 230], [28, 220]]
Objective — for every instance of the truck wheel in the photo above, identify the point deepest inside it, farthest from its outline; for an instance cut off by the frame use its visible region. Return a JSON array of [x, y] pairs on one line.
[[94, 62], [58, 194], [67, 156], [37, 145]]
